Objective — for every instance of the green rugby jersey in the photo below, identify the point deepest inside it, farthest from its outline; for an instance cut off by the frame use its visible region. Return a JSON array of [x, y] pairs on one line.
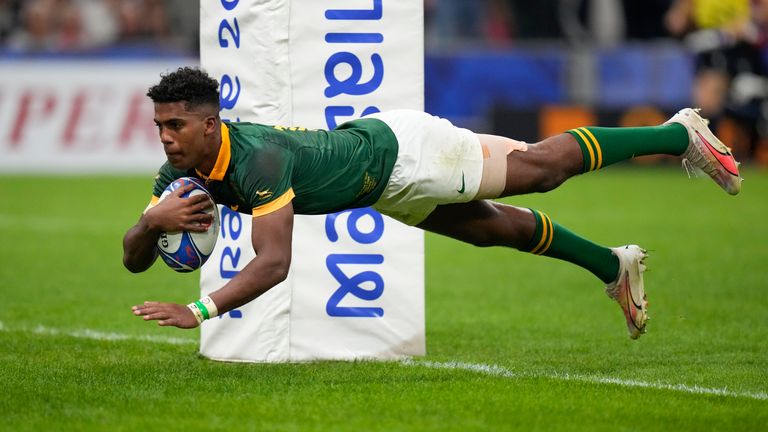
[[260, 168]]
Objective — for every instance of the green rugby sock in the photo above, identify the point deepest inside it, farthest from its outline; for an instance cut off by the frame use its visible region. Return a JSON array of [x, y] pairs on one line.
[[604, 146], [552, 240]]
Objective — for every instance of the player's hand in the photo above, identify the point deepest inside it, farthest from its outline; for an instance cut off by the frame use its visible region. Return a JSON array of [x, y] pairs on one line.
[[175, 213], [166, 314]]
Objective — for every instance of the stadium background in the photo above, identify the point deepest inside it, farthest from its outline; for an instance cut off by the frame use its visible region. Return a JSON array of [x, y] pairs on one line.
[[495, 66]]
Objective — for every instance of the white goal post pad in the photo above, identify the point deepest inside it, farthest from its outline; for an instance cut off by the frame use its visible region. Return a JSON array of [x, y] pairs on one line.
[[343, 299], [356, 285]]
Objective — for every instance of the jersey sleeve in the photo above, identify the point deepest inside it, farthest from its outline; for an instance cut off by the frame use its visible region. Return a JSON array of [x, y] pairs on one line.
[[267, 182]]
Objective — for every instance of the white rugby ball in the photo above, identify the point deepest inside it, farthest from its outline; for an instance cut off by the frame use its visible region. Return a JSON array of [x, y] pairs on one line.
[[186, 251]]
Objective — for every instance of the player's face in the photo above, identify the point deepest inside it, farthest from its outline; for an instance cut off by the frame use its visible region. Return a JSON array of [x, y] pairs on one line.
[[184, 135]]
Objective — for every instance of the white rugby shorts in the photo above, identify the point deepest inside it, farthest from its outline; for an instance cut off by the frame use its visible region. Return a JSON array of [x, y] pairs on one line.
[[437, 163]]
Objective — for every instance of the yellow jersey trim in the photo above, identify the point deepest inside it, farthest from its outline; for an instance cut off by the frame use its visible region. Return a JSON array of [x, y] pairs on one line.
[[274, 205], [222, 160]]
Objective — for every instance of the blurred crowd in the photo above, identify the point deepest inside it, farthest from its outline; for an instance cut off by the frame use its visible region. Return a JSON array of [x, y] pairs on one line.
[[502, 21], [726, 38], [67, 26], [82, 25], [601, 22]]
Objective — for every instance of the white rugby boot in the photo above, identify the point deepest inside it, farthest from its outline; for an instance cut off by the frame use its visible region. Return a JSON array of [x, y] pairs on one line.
[[628, 289], [706, 152]]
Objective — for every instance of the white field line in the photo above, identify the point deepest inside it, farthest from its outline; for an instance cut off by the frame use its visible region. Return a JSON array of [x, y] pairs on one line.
[[484, 369], [98, 335], [498, 371]]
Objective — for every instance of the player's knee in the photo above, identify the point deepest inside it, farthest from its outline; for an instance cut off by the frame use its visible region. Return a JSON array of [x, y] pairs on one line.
[[548, 180], [502, 228], [548, 169]]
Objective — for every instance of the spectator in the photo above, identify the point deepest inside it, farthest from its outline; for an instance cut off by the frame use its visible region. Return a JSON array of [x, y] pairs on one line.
[[36, 33], [50, 26], [500, 22], [714, 31], [185, 22], [100, 25], [726, 39], [645, 19], [63, 26], [68, 34], [9, 14], [455, 20], [141, 20], [157, 25]]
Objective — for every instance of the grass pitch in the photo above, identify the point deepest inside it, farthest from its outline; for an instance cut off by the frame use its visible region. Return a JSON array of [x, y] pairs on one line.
[[515, 342]]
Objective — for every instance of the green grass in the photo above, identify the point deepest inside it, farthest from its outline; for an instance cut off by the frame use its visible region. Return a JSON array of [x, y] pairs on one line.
[[540, 319]]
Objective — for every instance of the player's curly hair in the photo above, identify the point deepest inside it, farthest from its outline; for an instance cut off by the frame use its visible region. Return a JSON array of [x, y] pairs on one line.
[[186, 84]]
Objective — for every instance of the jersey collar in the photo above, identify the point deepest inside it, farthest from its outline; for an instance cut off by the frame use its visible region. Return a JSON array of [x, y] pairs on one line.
[[222, 160]]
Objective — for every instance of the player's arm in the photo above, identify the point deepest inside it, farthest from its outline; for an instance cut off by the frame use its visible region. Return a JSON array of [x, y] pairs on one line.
[[271, 236], [171, 214], [272, 239]]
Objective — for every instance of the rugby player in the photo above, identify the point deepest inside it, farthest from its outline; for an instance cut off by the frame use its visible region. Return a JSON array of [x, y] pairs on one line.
[[414, 167]]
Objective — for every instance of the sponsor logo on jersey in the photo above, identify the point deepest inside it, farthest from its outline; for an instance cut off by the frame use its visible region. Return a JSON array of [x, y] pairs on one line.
[[264, 194]]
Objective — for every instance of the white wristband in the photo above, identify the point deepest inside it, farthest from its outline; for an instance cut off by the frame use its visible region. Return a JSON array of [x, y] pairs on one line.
[[196, 312], [213, 311], [203, 309]]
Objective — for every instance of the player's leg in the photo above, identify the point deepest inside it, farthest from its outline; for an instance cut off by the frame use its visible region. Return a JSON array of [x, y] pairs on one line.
[[539, 167], [441, 174], [547, 164], [487, 223]]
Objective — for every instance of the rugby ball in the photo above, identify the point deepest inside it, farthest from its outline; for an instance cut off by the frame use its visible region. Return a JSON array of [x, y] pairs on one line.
[[187, 251]]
